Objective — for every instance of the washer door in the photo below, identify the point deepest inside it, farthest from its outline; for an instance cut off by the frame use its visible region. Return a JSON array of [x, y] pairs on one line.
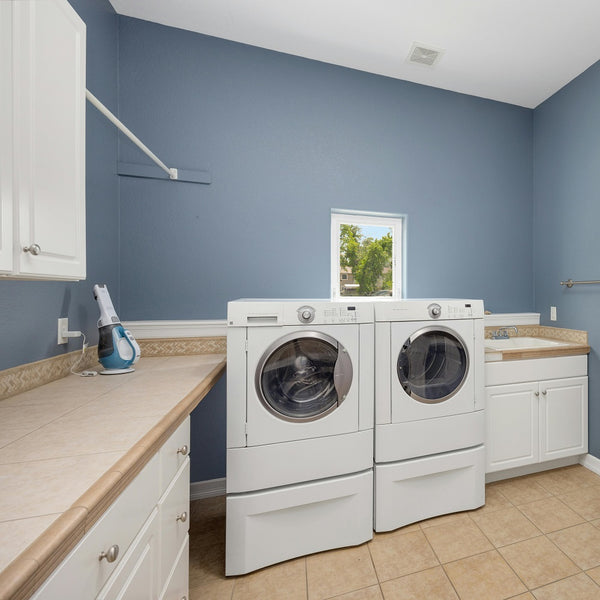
[[303, 376], [433, 365]]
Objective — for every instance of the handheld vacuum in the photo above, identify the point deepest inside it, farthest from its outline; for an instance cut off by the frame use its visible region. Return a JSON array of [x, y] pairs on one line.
[[117, 348]]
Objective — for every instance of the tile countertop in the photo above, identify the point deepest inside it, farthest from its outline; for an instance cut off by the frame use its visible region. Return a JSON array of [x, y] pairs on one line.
[[70, 447], [573, 342]]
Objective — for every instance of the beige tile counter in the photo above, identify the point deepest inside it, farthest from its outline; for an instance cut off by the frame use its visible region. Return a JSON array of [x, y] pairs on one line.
[[573, 342], [68, 449]]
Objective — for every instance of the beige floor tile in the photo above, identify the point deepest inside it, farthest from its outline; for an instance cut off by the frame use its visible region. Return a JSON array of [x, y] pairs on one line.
[[207, 564], [494, 500], [538, 561], [595, 574], [584, 501], [485, 576], [525, 596], [522, 490], [457, 540], [565, 480], [397, 555], [371, 593], [214, 590], [506, 526], [339, 571], [578, 587], [285, 581], [580, 543], [460, 517], [431, 584], [550, 514]]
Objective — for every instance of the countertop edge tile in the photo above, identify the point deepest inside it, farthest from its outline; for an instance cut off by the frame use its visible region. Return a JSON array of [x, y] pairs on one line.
[[20, 579]]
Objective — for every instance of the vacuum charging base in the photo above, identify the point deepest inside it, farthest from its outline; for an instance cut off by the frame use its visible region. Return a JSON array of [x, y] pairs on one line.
[[116, 371]]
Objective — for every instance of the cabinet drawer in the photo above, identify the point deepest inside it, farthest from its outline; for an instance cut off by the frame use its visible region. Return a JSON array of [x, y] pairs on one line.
[[173, 454], [174, 508], [137, 574], [81, 575]]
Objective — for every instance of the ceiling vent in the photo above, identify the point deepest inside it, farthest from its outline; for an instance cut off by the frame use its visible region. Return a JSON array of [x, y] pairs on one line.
[[424, 55]]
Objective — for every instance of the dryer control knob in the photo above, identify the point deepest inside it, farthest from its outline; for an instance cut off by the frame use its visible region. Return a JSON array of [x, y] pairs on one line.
[[435, 310], [306, 314]]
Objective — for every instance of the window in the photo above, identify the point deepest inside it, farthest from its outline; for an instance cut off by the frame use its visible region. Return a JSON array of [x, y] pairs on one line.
[[367, 254]]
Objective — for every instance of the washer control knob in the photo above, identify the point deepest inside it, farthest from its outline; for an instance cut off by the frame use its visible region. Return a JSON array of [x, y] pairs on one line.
[[435, 310], [306, 314]]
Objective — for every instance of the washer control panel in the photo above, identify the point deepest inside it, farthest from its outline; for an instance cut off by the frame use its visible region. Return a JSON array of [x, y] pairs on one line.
[[434, 310], [306, 314], [327, 314]]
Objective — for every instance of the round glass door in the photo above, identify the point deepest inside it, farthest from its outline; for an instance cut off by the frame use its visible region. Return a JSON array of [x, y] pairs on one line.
[[432, 365], [303, 376]]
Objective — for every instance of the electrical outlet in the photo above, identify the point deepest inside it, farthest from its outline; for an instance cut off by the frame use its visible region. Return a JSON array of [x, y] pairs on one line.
[[63, 327], [553, 313]]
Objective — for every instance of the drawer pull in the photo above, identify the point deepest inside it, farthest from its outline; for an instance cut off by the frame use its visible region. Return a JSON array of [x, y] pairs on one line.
[[34, 249], [111, 554], [182, 517], [183, 450]]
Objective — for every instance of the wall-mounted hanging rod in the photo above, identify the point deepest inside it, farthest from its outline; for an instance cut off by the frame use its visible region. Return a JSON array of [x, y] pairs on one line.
[[570, 283], [172, 173]]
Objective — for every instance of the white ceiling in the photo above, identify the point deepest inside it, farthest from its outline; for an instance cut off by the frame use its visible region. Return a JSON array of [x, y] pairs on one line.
[[515, 51]]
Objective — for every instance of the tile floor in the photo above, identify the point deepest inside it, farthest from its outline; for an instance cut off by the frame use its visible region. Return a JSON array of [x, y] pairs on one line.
[[537, 537]]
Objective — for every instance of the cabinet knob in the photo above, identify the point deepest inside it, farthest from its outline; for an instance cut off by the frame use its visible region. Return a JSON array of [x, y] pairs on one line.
[[111, 554], [544, 392], [183, 450], [537, 393], [34, 249], [182, 517]]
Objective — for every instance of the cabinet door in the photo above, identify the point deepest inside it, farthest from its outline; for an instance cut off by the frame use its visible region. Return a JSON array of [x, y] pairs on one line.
[[136, 578], [511, 426], [174, 510], [563, 417], [49, 138], [6, 150], [177, 586]]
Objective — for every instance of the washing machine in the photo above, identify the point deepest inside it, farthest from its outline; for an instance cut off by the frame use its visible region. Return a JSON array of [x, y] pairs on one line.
[[429, 410], [300, 413]]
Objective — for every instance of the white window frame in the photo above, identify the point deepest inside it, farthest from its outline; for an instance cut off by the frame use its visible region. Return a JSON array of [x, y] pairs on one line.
[[352, 217]]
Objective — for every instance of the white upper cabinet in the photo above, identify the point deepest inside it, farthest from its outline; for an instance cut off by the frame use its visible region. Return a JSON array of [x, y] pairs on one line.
[[47, 73], [6, 127]]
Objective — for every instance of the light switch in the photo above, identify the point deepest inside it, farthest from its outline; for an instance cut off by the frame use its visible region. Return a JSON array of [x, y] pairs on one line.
[[553, 313]]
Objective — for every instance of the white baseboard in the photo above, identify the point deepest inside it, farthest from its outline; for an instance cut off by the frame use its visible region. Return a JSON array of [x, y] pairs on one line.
[[207, 489], [590, 462], [176, 329]]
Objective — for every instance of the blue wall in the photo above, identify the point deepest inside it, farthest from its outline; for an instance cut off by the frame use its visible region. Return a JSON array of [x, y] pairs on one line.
[[567, 217], [287, 139], [29, 309]]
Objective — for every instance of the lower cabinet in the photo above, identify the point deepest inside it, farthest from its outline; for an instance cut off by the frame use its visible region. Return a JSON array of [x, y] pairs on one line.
[[138, 550], [533, 422]]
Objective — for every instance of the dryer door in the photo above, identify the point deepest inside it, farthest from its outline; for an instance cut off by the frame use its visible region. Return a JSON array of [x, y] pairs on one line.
[[432, 365], [303, 376]]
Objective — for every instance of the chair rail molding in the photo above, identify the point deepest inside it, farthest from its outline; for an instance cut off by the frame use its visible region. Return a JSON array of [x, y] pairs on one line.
[[176, 329]]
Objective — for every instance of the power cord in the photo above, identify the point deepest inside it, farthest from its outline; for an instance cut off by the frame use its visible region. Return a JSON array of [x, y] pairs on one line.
[[84, 373]]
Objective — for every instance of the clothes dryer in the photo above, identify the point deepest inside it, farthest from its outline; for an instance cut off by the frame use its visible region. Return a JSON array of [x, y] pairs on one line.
[[429, 403], [299, 429]]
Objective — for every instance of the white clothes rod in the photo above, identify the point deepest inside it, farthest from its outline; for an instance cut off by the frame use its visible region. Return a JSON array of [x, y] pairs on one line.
[[172, 173]]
